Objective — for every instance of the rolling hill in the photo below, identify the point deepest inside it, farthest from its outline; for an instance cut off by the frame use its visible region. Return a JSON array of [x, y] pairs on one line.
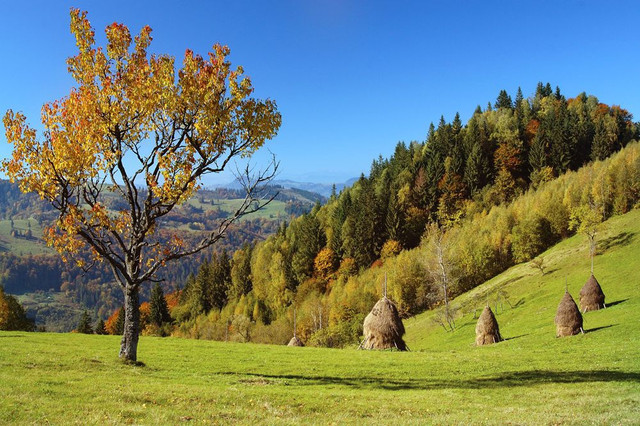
[[54, 292], [530, 378]]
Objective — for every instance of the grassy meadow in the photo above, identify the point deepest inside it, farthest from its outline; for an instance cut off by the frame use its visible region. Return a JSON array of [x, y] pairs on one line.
[[531, 378], [22, 246]]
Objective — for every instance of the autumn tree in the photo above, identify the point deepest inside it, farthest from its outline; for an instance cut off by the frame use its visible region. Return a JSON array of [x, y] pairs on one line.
[[586, 219], [12, 314], [440, 265], [135, 127]]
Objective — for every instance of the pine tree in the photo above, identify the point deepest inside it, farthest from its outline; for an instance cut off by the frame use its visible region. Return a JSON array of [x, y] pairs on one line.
[[241, 282], [504, 100], [158, 309], [602, 145], [220, 280], [474, 173], [99, 328], [84, 326], [538, 153], [519, 97], [199, 301], [393, 219], [310, 239], [119, 328]]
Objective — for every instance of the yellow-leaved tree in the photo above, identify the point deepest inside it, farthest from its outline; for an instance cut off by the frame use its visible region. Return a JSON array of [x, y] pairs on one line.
[[135, 128]]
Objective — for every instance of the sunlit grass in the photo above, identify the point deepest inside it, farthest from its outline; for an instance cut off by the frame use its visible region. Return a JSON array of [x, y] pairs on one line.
[[531, 378], [22, 246]]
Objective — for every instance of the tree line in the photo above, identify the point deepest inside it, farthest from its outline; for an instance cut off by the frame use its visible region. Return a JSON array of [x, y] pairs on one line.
[[491, 186]]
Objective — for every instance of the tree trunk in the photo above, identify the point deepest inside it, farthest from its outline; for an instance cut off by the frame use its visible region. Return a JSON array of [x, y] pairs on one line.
[[129, 342]]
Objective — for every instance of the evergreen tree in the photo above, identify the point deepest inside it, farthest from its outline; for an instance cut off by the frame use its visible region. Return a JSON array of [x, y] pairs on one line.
[[84, 326], [475, 171], [119, 328], [363, 236], [336, 222], [538, 153], [603, 141], [99, 328], [393, 219], [519, 97], [220, 280], [199, 302], [310, 239], [158, 309], [558, 95], [241, 282], [504, 100]]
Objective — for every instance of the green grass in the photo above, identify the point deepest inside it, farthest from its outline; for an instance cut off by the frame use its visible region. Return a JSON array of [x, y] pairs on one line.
[[531, 378], [22, 246], [274, 210]]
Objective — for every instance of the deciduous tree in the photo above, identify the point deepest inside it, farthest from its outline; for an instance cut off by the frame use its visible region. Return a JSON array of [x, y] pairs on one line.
[[134, 126]]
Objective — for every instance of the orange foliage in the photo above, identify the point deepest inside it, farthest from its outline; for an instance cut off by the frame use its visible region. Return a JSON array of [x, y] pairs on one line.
[[325, 263], [110, 325], [348, 267], [145, 310], [532, 130], [390, 248], [172, 300]]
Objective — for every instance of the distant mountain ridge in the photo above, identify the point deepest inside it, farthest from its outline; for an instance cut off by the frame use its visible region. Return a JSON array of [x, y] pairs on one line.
[[323, 189]]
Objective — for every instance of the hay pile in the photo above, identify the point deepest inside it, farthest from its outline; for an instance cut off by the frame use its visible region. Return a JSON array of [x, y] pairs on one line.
[[568, 318], [591, 296], [487, 330], [383, 328], [295, 341]]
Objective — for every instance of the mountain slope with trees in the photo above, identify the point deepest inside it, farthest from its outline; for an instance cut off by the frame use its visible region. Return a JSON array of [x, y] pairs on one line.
[[493, 192]]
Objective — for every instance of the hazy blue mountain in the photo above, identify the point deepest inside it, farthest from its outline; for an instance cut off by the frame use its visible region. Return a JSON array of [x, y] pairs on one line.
[[323, 189]]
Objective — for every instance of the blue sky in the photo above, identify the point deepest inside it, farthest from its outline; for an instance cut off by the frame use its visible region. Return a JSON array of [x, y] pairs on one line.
[[351, 78]]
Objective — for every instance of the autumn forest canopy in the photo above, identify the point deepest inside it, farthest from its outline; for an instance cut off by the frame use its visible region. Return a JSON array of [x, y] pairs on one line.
[[497, 185]]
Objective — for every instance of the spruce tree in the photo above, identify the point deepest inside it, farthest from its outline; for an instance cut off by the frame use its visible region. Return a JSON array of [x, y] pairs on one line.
[[474, 173], [220, 280], [158, 309], [119, 328], [84, 326], [504, 100], [241, 282], [99, 328]]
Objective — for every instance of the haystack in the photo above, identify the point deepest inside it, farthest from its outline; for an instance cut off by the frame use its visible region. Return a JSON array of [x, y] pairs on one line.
[[568, 317], [383, 328], [591, 296], [295, 341], [487, 330]]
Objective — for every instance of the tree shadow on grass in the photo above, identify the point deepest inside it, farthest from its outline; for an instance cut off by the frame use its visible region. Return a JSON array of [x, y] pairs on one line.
[[504, 380], [622, 239], [550, 271]]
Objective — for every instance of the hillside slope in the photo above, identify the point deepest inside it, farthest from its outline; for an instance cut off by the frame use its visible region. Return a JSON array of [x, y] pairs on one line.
[[527, 300], [531, 378]]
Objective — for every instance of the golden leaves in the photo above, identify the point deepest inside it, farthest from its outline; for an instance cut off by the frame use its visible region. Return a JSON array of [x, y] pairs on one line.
[[129, 117]]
